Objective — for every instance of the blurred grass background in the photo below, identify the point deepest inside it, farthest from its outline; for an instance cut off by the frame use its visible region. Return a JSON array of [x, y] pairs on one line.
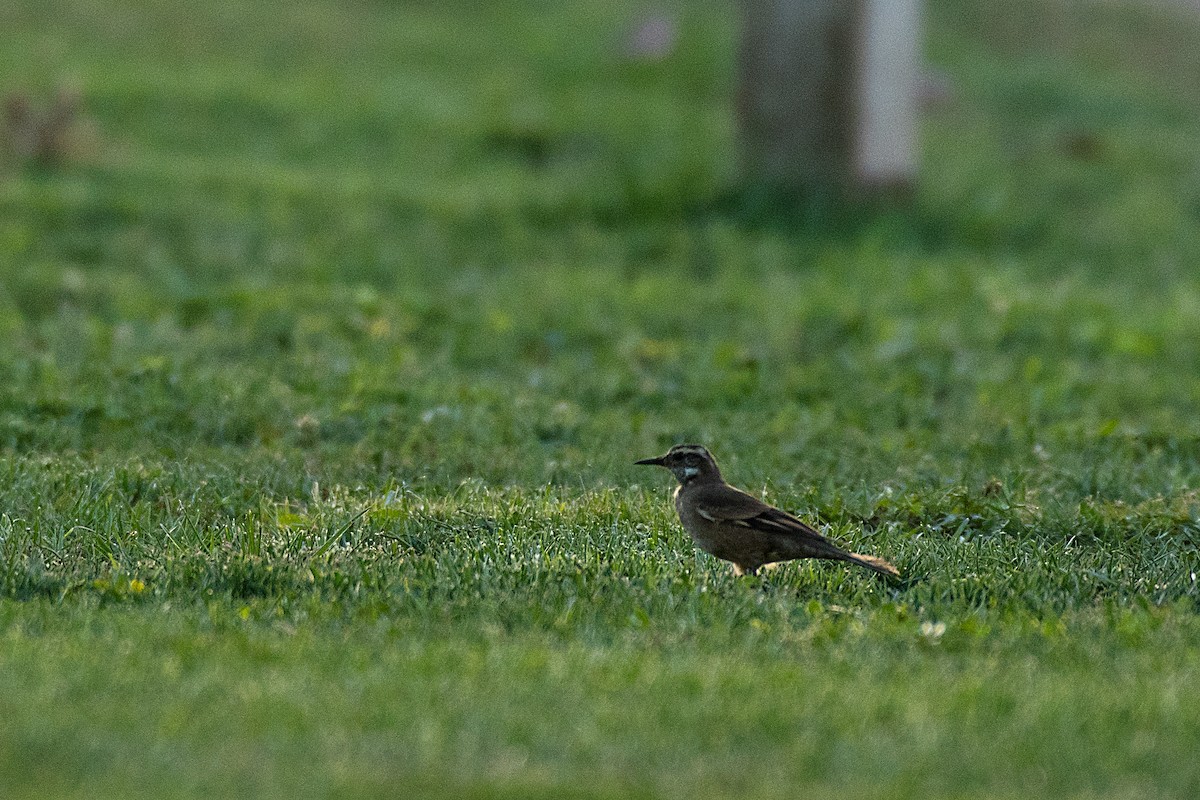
[[329, 342]]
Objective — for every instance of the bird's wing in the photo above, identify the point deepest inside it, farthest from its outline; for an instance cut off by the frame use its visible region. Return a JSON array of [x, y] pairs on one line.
[[727, 504], [790, 537]]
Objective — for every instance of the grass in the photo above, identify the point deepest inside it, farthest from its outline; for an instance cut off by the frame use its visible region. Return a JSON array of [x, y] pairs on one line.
[[327, 353]]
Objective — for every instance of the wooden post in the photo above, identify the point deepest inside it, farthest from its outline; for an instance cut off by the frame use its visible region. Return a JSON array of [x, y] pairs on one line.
[[827, 93]]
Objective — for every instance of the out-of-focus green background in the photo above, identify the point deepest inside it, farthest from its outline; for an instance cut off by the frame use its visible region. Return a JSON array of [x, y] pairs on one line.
[[329, 332]]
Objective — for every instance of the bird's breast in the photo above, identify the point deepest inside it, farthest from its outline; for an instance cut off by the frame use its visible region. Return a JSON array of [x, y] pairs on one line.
[[703, 529]]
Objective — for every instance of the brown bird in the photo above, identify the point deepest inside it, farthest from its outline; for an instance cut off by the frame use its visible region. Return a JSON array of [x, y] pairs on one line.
[[737, 527]]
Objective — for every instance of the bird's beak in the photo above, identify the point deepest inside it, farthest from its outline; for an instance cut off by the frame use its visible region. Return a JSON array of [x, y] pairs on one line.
[[653, 462]]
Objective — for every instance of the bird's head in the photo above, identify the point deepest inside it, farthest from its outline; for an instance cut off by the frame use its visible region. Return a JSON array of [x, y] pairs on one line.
[[688, 462]]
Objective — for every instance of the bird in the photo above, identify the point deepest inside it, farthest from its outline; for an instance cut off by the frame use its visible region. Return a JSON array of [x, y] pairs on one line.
[[737, 527]]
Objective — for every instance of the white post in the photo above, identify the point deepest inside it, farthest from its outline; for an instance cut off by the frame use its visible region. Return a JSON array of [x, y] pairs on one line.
[[827, 93], [886, 154]]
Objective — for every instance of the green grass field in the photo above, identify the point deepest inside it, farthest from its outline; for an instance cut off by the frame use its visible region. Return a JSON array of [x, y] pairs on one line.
[[328, 349]]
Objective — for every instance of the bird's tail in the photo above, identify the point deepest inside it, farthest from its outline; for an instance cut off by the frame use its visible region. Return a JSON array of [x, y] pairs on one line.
[[871, 562]]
